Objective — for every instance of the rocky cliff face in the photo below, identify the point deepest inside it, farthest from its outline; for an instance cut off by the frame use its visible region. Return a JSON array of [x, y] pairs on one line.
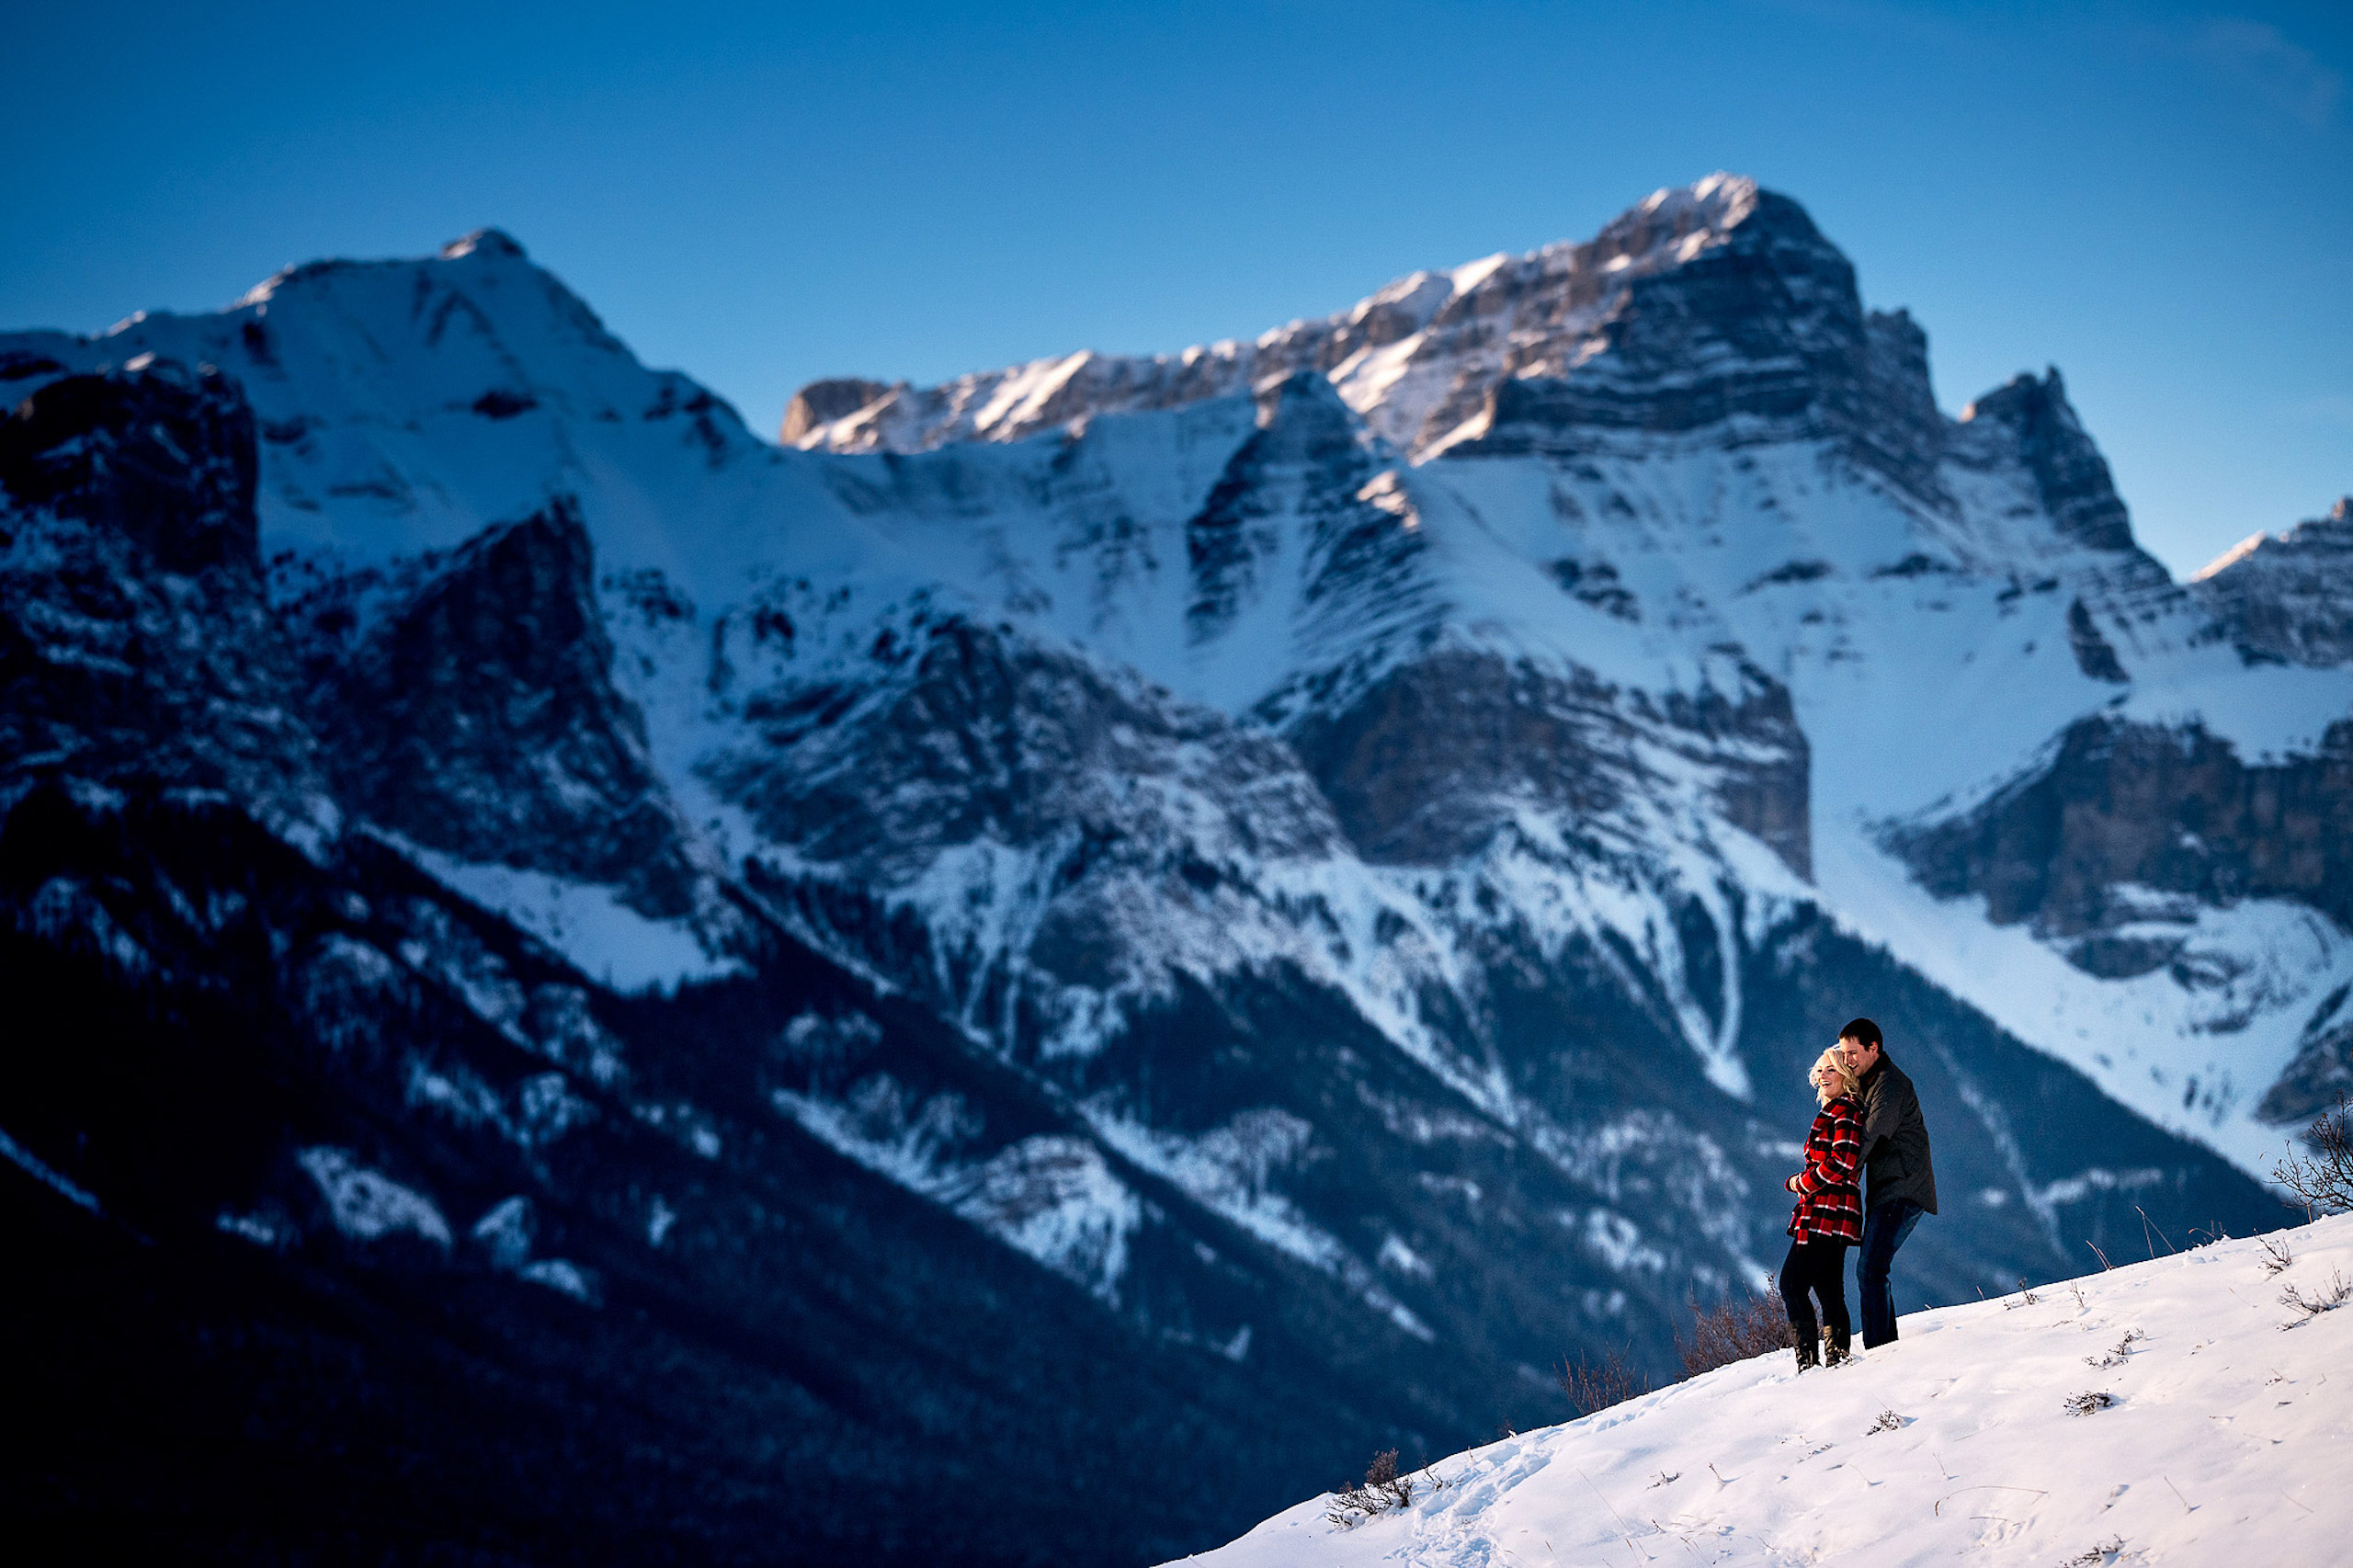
[[1286, 882], [467, 702], [2127, 810], [134, 635], [2032, 421]]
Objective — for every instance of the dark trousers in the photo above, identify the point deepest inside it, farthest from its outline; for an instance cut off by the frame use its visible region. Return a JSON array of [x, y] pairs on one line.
[[1818, 1268], [1884, 1229]]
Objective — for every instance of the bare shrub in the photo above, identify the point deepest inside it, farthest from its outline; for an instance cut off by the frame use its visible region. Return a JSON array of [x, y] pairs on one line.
[[2084, 1403], [2105, 1551], [1383, 1490], [2321, 1178], [1613, 1379], [1734, 1329], [2276, 1255], [2325, 1298], [1888, 1422]]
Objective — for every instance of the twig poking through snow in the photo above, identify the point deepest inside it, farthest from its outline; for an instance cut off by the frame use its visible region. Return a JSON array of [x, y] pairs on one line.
[[2090, 1400], [2105, 1552], [2338, 1291], [2276, 1255], [2117, 1356]]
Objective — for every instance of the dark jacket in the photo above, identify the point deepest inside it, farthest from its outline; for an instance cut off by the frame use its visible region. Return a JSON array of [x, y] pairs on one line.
[[1895, 1139], [1830, 1198]]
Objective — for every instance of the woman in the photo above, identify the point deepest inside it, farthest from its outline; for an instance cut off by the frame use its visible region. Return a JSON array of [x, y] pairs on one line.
[[1829, 1215]]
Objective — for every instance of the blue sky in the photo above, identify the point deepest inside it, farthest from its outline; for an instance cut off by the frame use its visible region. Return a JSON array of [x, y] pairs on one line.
[[2159, 200]]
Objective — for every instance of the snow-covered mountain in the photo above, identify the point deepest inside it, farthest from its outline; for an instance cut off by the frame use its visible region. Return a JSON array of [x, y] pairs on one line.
[[1335, 851], [2215, 1442]]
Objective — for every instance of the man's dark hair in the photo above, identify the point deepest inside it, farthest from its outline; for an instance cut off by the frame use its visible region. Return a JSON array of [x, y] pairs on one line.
[[1865, 1031]]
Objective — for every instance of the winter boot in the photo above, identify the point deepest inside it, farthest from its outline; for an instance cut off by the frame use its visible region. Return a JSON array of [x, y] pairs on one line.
[[1837, 1348], [1809, 1354]]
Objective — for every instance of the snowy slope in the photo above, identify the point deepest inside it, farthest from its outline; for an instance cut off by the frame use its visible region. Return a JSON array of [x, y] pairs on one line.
[[2226, 1440]]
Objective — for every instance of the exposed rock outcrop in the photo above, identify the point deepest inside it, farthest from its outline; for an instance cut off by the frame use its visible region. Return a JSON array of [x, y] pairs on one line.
[[823, 402], [134, 639], [468, 703], [2124, 806], [1437, 755], [155, 453], [2034, 424], [1762, 333]]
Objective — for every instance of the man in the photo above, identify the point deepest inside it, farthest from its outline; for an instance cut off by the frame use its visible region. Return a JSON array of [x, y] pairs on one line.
[[1903, 1183]]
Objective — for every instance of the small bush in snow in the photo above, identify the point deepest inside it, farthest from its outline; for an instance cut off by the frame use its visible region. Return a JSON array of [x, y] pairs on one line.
[[1384, 1490], [2321, 1179], [1592, 1386], [1734, 1330], [2086, 1403], [2026, 1297], [1888, 1422], [2276, 1255], [2327, 1298], [2105, 1551], [2115, 1358]]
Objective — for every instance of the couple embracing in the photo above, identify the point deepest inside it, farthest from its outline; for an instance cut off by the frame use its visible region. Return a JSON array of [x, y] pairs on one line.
[[1869, 1126]]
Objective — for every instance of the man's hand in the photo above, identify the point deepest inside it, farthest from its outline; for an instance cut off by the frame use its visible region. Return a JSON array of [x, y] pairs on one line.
[[1789, 1183]]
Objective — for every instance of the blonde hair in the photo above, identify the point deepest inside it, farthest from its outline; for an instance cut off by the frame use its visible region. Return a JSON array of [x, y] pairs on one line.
[[1842, 1080]]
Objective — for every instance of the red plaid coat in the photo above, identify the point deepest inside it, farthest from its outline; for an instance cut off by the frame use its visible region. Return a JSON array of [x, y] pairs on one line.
[[1830, 1192]]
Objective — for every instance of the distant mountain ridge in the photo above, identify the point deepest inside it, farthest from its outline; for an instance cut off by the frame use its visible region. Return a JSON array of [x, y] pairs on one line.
[[1325, 859]]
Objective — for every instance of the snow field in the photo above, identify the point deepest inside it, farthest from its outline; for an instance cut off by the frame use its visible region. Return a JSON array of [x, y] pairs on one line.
[[2227, 1439]]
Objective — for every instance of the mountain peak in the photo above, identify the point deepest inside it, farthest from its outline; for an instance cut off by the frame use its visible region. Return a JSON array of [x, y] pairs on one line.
[[487, 242], [2073, 477], [1417, 358], [2283, 596], [1714, 207]]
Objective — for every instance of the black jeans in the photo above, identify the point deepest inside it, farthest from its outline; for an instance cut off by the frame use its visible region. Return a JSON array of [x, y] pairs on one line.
[[1818, 1266], [1884, 1228]]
